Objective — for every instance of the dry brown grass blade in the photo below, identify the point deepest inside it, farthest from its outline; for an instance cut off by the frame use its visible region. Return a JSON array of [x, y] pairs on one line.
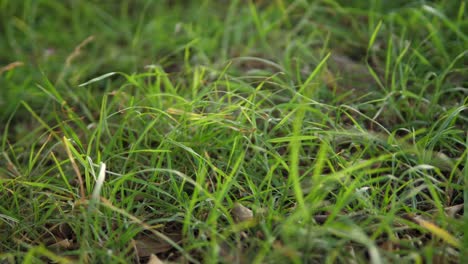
[[11, 66], [437, 231], [77, 51]]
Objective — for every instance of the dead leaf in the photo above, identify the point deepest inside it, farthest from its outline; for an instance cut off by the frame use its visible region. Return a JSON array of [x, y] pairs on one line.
[[452, 211], [241, 213], [146, 246], [154, 260], [62, 244]]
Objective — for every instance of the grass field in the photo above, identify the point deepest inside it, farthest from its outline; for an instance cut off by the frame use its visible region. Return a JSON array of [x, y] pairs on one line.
[[235, 131]]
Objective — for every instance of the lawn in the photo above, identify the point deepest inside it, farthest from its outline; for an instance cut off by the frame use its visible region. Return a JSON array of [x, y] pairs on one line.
[[211, 131]]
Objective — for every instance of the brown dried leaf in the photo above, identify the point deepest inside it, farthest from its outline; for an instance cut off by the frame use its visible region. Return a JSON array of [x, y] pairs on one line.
[[241, 213], [62, 244], [154, 260], [452, 211], [146, 246]]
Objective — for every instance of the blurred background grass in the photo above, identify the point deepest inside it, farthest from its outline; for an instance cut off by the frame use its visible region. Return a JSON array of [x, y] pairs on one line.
[[128, 35]]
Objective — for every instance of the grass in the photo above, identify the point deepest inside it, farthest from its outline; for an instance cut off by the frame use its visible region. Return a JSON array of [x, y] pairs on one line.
[[233, 131]]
